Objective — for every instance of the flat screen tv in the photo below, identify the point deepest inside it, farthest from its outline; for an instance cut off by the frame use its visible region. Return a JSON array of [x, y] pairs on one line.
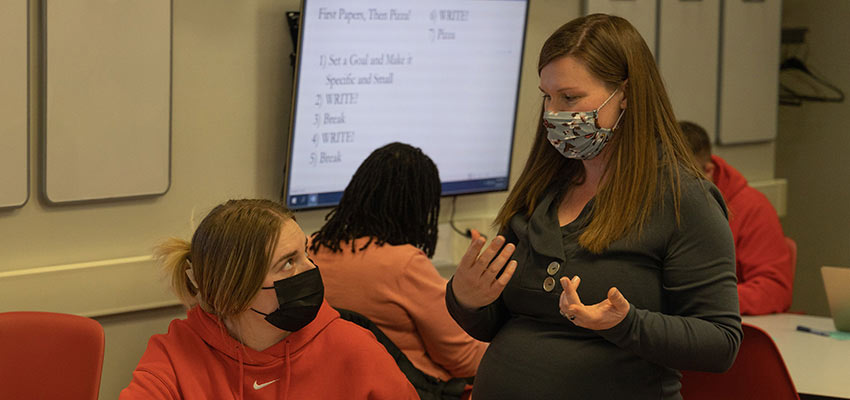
[[442, 75]]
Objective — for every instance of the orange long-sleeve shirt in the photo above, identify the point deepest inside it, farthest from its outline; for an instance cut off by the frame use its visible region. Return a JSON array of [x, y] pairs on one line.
[[398, 288]]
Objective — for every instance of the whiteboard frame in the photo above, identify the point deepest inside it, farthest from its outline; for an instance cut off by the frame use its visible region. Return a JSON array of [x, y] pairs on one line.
[[636, 12], [86, 198], [694, 100], [27, 170], [747, 97]]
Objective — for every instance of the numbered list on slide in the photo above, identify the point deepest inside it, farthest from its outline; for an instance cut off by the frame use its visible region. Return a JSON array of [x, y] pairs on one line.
[[439, 76]]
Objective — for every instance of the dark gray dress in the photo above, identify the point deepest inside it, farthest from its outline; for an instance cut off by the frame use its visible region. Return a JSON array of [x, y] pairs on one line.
[[679, 280]]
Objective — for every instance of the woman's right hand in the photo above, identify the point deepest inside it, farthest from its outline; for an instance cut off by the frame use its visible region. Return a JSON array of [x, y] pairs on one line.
[[474, 284]]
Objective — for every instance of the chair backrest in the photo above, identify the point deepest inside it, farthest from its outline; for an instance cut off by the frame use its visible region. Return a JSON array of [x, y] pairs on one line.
[[50, 356], [792, 248], [758, 373]]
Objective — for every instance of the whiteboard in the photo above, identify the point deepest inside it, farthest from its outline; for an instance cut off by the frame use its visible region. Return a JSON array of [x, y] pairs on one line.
[[14, 76], [749, 76], [107, 99], [687, 59], [642, 14]]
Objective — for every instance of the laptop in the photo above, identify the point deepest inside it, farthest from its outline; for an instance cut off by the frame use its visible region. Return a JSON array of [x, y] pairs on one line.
[[836, 281]]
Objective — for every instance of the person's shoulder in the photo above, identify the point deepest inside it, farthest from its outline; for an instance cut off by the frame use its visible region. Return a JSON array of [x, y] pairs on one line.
[[697, 187], [164, 348], [383, 252], [751, 201], [349, 340], [362, 362], [394, 250], [366, 253], [155, 376], [697, 195], [396, 256], [177, 339], [178, 328]]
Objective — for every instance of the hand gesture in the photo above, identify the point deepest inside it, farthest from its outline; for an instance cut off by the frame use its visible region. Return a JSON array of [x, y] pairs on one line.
[[474, 284], [603, 315]]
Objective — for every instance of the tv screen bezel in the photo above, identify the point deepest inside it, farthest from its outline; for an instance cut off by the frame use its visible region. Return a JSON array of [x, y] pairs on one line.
[[284, 195]]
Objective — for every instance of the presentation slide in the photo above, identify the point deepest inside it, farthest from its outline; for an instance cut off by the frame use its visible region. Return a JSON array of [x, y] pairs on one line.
[[440, 75]]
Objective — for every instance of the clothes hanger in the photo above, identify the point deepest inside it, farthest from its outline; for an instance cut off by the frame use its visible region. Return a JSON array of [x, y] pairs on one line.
[[798, 82], [787, 98]]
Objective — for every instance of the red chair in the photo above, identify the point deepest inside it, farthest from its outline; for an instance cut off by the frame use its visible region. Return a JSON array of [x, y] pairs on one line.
[[758, 373], [792, 250], [50, 356]]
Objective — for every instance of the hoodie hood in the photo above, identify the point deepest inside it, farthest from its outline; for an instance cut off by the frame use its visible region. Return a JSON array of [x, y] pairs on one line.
[[212, 330], [727, 179], [277, 357]]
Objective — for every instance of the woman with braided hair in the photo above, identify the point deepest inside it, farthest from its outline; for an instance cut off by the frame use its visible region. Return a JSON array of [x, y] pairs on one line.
[[374, 253]]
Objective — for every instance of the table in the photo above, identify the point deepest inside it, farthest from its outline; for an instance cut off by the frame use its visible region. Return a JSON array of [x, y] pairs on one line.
[[818, 365]]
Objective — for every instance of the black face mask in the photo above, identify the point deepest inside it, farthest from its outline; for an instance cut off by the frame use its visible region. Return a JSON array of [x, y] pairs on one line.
[[299, 298]]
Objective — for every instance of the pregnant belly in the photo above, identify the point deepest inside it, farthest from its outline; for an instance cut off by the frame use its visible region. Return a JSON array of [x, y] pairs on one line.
[[533, 360]]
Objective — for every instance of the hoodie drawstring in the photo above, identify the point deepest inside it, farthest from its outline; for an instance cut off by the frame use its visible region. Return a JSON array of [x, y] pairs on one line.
[[288, 370], [239, 350]]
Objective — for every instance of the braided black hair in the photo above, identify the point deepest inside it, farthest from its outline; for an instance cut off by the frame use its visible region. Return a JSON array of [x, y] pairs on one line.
[[393, 197]]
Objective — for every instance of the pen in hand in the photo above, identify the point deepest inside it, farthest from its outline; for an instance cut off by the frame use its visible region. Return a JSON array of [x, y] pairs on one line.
[[802, 328]]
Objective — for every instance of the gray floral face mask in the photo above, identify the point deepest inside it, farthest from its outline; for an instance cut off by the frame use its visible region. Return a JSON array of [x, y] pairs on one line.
[[579, 129]]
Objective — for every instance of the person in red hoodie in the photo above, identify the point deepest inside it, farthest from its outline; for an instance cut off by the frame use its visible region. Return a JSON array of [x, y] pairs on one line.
[[763, 259], [258, 326]]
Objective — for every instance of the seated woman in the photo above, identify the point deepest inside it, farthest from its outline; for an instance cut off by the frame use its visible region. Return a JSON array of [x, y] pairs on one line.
[[374, 254], [258, 326]]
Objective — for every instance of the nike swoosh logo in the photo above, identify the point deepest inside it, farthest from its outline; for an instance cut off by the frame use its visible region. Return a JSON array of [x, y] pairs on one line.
[[260, 386]]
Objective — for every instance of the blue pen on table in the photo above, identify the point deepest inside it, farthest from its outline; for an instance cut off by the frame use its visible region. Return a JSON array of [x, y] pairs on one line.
[[802, 328]]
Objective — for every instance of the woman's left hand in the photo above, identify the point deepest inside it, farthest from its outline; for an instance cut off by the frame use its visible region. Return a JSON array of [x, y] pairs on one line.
[[603, 315]]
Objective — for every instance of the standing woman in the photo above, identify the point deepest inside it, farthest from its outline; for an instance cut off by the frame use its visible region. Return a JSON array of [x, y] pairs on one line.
[[258, 326], [609, 206]]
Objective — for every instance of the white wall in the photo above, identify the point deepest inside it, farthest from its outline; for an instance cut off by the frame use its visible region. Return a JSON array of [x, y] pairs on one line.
[[231, 87], [812, 150], [231, 102]]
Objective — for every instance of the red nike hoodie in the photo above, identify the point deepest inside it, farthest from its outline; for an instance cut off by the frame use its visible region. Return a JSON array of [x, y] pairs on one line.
[[763, 260], [328, 359]]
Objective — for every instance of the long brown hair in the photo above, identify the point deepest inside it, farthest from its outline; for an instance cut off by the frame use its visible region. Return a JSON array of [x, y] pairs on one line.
[[229, 255], [636, 173]]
